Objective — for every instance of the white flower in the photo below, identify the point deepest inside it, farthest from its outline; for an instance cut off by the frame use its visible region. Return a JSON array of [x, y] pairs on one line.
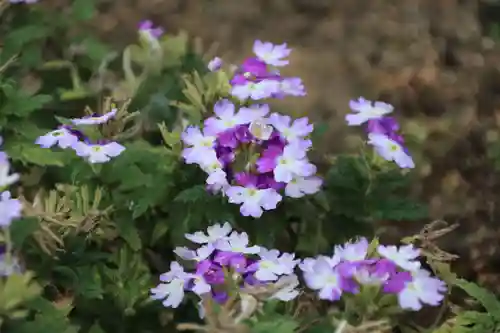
[[404, 257], [291, 131], [271, 265], [199, 143], [325, 278], [422, 289], [390, 150], [200, 254], [214, 233], [62, 137], [300, 186], [171, 289], [98, 153], [254, 201], [7, 179], [237, 242], [293, 163], [366, 110], [95, 120], [289, 291], [172, 293]]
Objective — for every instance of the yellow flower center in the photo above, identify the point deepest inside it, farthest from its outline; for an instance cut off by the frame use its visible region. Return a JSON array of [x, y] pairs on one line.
[[393, 147]]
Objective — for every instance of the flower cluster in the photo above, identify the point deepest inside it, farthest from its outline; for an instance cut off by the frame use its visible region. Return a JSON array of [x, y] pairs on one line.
[[250, 156], [224, 261], [69, 136], [258, 77], [395, 270], [382, 130]]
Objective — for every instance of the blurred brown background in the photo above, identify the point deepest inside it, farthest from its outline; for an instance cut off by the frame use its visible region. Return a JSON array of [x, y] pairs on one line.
[[437, 61]]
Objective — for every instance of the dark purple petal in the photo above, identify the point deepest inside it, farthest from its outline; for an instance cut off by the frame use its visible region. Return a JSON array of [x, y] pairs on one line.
[[228, 139], [220, 297], [246, 179], [397, 282], [243, 135]]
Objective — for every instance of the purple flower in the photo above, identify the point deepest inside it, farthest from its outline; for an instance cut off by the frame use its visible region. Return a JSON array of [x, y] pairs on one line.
[[269, 157], [252, 70], [235, 260], [95, 119], [61, 137], [375, 272], [215, 64], [386, 126], [96, 153], [146, 27], [271, 54], [10, 209], [212, 272], [266, 180], [220, 296]]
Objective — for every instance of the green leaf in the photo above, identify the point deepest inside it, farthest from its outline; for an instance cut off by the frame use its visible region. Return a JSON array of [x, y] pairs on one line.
[[21, 229], [129, 233], [193, 194], [30, 153], [83, 10], [94, 49], [279, 325], [160, 229], [487, 299]]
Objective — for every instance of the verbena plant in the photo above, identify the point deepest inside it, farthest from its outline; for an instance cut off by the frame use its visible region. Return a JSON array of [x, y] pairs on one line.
[[172, 198]]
